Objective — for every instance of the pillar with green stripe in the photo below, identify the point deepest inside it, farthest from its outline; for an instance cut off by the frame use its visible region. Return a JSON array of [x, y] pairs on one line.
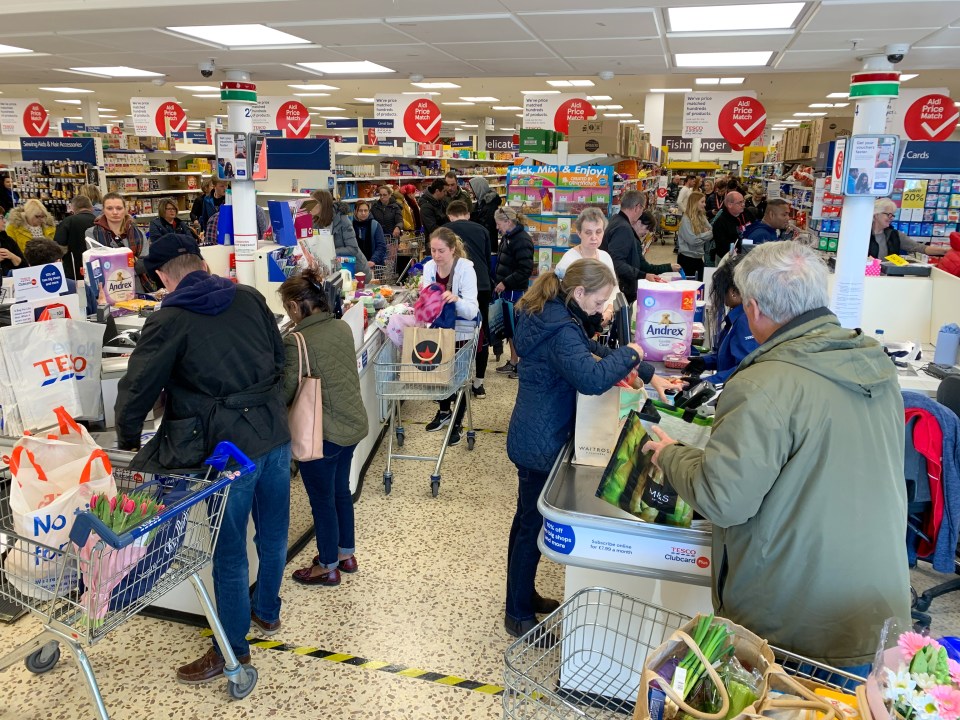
[[874, 85]]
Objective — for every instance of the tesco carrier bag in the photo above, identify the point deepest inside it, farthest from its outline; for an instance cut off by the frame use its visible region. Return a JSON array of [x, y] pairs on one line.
[[54, 477], [665, 317]]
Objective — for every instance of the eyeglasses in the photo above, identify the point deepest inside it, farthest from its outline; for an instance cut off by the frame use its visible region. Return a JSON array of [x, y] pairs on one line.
[[890, 215]]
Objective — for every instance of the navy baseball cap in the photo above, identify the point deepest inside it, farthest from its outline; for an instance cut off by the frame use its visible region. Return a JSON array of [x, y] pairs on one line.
[[167, 247]]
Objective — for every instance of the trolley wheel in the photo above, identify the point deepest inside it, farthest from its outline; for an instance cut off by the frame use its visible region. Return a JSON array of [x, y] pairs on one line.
[[36, 665], [387, 483], [435, 485], [244, 686], [471, 441], [400, 436]]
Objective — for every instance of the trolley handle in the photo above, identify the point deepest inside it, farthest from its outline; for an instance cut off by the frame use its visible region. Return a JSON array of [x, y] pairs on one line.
[[87, 521]]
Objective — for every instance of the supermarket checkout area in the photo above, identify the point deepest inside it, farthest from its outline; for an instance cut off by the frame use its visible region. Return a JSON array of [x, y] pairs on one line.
[[602, 545]]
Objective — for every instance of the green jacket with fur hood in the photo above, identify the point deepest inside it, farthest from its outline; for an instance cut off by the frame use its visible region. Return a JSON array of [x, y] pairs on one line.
[[803, 481], [333, 359]]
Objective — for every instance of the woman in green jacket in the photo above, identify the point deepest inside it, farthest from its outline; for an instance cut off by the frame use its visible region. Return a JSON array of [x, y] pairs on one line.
[[331, 357]]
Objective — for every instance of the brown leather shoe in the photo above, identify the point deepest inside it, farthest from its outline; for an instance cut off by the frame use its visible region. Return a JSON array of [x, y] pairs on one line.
[[207, 668], [305, 576], [348, 566], [267, 628]]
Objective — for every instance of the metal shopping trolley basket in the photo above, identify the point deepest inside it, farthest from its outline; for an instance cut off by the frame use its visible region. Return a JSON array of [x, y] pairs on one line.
[[394, 387], [585, 659], [101, 584]]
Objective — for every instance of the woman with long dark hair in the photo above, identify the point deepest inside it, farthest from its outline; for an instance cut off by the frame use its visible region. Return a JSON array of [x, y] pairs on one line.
[[731, 340], [330, 356]]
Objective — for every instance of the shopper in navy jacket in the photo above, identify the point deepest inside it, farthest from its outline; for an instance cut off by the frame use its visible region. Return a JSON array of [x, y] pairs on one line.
[[733, 339], [558, 362], [369, 234]]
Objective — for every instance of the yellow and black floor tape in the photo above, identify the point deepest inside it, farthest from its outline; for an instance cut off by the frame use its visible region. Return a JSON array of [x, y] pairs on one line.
[[393, 669]]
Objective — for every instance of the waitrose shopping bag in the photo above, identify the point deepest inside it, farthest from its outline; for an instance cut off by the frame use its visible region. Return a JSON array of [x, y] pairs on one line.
[[51, 364], [427, 357], [598, 423], [54, 477]]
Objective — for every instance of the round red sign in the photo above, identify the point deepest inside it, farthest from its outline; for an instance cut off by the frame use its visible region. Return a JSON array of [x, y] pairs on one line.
[[293, 119], [932, 117], [172, 112], [574, 109], [741, 121], [661, 192], [421, 120], [36, 120], [703, 562], [838, 166], [115, 130]]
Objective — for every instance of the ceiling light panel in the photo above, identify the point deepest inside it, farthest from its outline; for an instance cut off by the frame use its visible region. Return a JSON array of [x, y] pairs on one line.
[[608, 107], [198, 88], [326, 108], [732, 81], [600, 98], [708, 81], [908, 76], [507, 107], [116, 71], [13, 50], [70, 102], [481, 99], [208, 96], [305, 94], [239, 36], [539, 92], [68, 90], [843, 95], [724, 18], [457, 103], [310, 87], [360, 67], [751, 58], [364, 100], [671, 90], [436, 85]]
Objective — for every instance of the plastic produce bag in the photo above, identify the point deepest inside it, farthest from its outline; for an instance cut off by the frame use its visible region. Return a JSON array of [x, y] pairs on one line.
[[54, 477]]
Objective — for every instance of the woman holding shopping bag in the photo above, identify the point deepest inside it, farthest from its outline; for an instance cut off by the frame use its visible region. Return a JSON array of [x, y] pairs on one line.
[[514, 268], [450, 267], [330, 357], [559, 360]]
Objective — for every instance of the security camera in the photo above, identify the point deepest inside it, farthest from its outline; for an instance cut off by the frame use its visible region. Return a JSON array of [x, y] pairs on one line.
[[207, 68], [606, 75], [896, 52]]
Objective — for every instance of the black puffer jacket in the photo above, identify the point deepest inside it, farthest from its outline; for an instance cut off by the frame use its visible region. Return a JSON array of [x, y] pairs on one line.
[[515, 259], [621, 241], [389, 216], [215, 348], [431, 213]]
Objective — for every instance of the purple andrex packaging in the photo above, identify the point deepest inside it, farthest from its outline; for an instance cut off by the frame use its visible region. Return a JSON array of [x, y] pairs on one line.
[[665, 317]]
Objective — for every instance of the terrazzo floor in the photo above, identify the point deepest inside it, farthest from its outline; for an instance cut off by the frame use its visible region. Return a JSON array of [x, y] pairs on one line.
[[429, 597]]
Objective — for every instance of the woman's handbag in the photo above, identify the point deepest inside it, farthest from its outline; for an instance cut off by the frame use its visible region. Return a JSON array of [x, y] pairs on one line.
[[306, 411]]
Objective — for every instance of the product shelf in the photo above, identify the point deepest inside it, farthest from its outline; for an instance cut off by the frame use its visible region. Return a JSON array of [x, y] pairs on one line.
[[195, 191], [375, 178], [156, 174], [397, 156]]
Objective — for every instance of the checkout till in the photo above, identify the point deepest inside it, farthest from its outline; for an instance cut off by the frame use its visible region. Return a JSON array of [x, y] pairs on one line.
[[603, 545], [33, 295]]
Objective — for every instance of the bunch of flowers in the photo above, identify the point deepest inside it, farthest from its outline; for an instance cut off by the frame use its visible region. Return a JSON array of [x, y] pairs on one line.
[[104, 569], [926, 686]]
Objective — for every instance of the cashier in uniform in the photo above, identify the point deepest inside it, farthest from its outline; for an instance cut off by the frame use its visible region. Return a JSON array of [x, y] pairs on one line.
[[734, 339], [886, 240]]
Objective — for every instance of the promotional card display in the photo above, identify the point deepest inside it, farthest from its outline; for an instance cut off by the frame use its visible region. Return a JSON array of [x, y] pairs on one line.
[[531, 187], [580, 187], [869, 165], [633, 483], [232, 156], [929, 205]]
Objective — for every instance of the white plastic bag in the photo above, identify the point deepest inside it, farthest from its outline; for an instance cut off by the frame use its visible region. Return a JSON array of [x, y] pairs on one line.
[[54, 477], [54, 363]]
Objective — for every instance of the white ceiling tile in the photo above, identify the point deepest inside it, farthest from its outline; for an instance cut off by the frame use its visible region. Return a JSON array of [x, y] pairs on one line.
[[820, 60], [933, 58], [892, 16], [619, 64], [841, 39], [391, 54], [727, 43], [493, 50], [514, 67], [592, 24], [333, 33], [609, 48], [522, 6], [462, 30], [948, 37]]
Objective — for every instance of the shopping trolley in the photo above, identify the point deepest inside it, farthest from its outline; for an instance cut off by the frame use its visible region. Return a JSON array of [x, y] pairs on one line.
[[392, 387], [670, 220], [120, 573], [386, 274], [585, 659]]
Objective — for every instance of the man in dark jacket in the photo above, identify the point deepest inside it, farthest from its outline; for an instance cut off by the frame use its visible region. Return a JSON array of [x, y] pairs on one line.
[[728, 228], [214, 347], [455, 192], [625, 248], [476, 241], [71, 235], [431, 207], [387, 212], [776, 219], [212, 203]]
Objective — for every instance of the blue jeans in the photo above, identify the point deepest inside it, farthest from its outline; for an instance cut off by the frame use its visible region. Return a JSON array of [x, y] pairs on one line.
[[523, 555], [266, 494], [327, 482]]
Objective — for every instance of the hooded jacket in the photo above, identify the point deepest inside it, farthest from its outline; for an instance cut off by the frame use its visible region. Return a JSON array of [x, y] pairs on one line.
[[558, 362], [431, 213], [20, 233], [370, 240], [71, 236], [951, 261], [214, 347], [389, 216], [483, 210], [515, 259], [476, 241], [331, 357], [463, 284], [803, 481], [344, 238]]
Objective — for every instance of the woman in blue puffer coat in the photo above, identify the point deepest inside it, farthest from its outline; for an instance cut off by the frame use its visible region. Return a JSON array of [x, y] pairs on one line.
[[559, 360]]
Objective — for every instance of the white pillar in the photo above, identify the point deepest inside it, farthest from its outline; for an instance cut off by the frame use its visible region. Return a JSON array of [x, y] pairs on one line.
[[695, 149], [653, 118], [90, 111], [243, 191], [856, 218]]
